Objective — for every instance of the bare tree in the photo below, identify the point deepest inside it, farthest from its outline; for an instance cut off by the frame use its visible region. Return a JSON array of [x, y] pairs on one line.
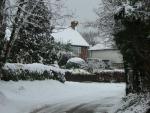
[[13, 17], [105, 23], [90, 37]]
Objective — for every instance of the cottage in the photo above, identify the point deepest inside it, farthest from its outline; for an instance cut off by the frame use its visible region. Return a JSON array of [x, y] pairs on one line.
[[72, 36], [104, 53]]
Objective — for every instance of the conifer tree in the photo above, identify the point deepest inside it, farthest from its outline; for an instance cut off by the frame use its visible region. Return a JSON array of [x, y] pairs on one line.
[[134, 42], [2, 35], [35, 43]]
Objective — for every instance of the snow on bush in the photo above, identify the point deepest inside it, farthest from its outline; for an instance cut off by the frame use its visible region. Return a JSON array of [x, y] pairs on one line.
[[109, 71], [76, 63], [35, 71], [132, 12], [76, 60], [133, 103], [79, 72], [95, 64], [128, 9]]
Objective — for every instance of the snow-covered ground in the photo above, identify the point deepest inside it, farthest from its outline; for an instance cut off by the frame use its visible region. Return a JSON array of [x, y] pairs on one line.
[[133, 103], [27, 96]]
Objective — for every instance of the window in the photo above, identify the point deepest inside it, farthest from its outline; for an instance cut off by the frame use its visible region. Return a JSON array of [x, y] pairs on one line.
[[76, 50]]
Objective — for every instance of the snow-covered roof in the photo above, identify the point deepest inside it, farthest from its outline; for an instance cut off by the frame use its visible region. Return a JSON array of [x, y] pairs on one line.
[[100, 47], [70, 35]]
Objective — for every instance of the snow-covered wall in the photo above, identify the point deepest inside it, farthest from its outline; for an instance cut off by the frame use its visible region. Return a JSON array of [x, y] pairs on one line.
[[108, 54]]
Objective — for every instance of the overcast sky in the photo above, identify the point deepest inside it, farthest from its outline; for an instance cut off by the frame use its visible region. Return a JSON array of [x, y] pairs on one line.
[[83, 9]]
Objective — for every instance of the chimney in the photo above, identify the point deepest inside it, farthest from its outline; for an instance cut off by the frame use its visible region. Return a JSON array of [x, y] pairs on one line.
[[74, 24]]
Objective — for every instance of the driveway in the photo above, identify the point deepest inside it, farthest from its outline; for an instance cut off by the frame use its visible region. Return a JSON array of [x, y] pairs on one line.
[[99, 105]]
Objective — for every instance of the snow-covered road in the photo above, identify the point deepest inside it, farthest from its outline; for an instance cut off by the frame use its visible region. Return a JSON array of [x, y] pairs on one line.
[[104, 105], [54, 97]]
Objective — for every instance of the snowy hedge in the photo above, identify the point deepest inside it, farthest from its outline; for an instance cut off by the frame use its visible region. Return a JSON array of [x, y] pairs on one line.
[[133, 103], [36, 71], [109, 71], [102, 76], [76, 63]]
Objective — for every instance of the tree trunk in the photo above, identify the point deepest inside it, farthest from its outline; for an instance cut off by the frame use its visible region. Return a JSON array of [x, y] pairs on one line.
[[2, 35]]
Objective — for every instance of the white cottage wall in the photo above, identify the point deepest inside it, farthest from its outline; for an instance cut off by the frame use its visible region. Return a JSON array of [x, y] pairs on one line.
[[113, 55]]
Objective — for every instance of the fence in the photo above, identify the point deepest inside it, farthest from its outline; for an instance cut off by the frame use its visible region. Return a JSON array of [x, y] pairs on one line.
[[97, 77]]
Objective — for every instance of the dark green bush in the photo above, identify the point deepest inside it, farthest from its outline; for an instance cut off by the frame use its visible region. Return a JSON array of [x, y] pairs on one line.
[[20, 74]]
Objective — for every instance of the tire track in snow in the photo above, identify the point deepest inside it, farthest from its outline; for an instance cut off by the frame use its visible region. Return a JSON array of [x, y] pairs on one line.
[[90, 107]]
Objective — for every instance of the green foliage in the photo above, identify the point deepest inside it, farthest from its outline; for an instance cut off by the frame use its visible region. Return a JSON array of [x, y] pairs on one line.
[[77, 65], [134, 44], [64, 57], [72, 65], [20, 74], [64, 53], [35, 43]]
